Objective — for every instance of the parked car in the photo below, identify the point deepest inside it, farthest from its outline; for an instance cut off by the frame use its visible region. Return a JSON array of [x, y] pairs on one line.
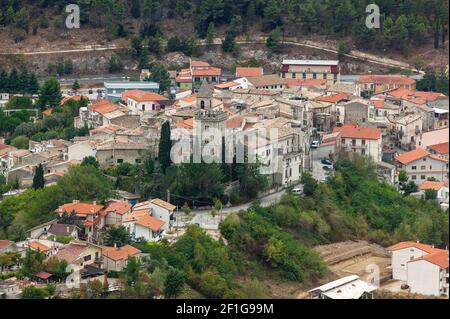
[[315, 144], [297, 191], [326, 168], [326, 162]]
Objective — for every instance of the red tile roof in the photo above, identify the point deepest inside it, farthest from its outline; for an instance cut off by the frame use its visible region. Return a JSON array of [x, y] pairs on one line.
[[5, 243], [119, 207], [352, 131], [431, 185], [226, 85], [38, 246], [441, 148], [198, 64], [235, 122], [103, 107], [407, 244], [386, 79], [335, 98], [243, 72], [142, 96], [120, 253], [439, 259], [412, 156], [150, 222], [163, 204], [206, 72], [43, 275], [79, 208]]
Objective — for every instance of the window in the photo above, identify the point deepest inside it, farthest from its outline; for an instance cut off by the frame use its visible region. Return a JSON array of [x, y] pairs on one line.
[[283, 75], [324, 76], [314, 76], [294, 75], [363, 142], [87, 258], [414, 168], [423, 177], [423, 167], [353, 142], [202, 104], [414, 177], [363, 152], [304, 76], [431, 166]]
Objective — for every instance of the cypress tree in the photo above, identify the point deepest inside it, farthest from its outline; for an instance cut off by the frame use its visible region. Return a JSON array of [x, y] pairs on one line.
[[165, 144], [13, 81], [38, 179]]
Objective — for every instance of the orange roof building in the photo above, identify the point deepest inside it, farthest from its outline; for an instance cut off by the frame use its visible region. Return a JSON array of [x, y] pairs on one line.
[[335, 98], [142, 96], [356, 132], [119, 253], [246, 72], [441, 149], [412, 156], [81, 209]]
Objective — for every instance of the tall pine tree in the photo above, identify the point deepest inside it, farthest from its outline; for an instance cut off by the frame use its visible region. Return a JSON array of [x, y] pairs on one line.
[[165, 144], [38, 179]]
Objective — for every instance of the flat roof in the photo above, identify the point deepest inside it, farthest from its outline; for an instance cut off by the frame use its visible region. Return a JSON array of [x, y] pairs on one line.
[[311, 62], [131, 85]]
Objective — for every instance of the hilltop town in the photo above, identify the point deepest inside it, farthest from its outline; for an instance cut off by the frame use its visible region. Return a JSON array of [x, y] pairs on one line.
[[101, 192]]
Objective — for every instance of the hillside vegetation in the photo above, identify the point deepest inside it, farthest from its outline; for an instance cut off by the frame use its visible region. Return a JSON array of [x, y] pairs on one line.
[[405, 23]]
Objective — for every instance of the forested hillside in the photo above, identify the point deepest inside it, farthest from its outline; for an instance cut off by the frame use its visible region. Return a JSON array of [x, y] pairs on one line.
[[405, 23]]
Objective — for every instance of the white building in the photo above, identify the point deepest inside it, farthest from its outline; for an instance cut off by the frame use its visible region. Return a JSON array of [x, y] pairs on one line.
[[362, 141], [140, 102], [350, 287], [423, 267], [421, 165]]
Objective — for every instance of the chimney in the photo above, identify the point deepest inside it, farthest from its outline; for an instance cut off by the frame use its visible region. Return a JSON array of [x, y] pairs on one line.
[[94, 202], [75, 201], [115, 245], [67, 229], [418, 242]]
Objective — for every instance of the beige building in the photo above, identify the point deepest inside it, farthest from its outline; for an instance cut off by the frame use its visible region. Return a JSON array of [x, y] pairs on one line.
[[116, 258], [328, 70]]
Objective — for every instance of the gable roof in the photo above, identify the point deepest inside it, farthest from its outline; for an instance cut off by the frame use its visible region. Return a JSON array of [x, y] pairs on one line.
[[408, 244], [163, 204], [441, 148], [103, 107], [439, 259], [120, 253], [150, 222], [61, 229], [72, 251], [412, 156], [142, 96], [79, 208], [335, 98], [119, 207], [432, 185], [5, 243], [245, 72], [266, 80], [352, 131]]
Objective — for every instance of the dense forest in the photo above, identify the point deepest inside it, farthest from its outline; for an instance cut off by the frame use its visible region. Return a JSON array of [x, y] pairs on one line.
[[405, 23]]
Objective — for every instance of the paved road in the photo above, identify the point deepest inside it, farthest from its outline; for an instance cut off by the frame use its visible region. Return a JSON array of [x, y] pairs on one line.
[[205, 220]]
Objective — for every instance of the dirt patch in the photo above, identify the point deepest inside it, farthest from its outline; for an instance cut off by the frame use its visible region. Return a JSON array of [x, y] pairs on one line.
[[356, 258]]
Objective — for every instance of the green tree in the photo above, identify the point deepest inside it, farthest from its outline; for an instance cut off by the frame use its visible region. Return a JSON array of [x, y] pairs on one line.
[[430, 194], [50, 94], [342, 50], [117, 236], [38, 179], [229, 43], [165, 145], [132, 270], [20, 141], [90, 160], [309, 184], [76, 86], [210, 34], [174, 283], [274, 40]]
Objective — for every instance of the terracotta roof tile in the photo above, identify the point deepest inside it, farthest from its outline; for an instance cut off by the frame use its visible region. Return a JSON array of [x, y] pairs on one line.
[[245, 72], [150, 222], [351, 131], [38, 246], [142, 96], [407, 244], [431, 185], [335, 98], [163, 204], [120, 253], [79, 208], [439, 258], [119, 207], [412, 156], [441, 148]]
